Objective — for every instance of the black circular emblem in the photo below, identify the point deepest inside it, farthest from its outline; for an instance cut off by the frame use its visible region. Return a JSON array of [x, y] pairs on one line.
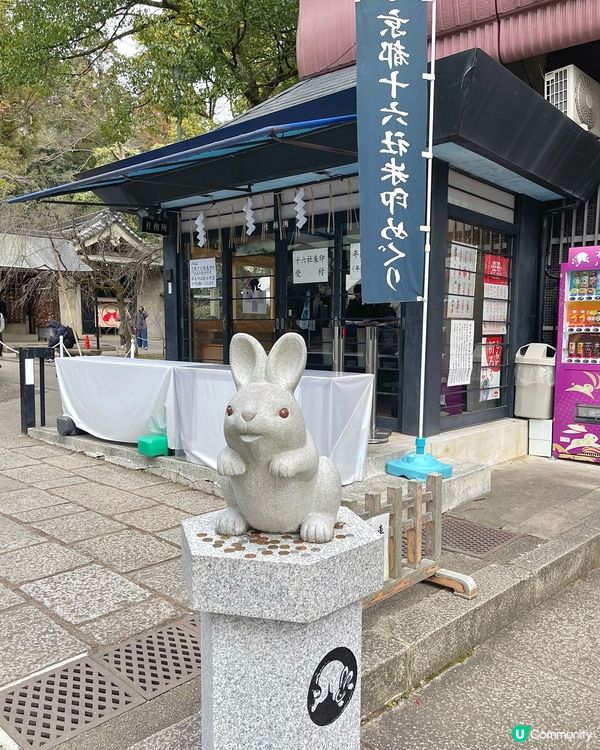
[[332, 686]]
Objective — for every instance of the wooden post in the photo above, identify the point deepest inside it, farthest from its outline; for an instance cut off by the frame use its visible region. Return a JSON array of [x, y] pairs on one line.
[[394, 500], [434, 485], [373, 504], [415, 531]]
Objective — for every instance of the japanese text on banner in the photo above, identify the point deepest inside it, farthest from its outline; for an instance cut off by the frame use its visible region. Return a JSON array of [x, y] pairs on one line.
[[392, 125]]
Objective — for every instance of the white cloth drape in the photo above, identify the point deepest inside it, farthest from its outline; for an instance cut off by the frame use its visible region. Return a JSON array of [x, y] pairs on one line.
[[120, 399], [337, 412]]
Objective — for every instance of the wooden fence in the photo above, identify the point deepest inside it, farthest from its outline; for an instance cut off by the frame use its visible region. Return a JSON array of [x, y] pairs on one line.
[[414, 532]]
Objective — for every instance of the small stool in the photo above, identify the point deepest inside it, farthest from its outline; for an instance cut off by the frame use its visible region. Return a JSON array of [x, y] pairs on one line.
[[153, 445]]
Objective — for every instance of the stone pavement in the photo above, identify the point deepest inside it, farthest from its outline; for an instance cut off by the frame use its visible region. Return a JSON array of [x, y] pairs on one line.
[[89, 556], [542, 671]]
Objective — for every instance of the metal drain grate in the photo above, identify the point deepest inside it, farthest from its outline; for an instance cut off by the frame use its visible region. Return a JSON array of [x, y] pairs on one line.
[[473, 539], [52, 708], [159, 660]]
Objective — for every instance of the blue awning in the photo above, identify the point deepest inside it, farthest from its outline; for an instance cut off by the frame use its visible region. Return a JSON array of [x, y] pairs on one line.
[[189, 154]]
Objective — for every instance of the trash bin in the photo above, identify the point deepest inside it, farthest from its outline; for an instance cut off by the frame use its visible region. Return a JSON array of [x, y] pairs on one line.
[[534, 381]]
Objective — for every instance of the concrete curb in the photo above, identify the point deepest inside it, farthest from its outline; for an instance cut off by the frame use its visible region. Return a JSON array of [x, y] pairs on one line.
[[170, 468], [468, 482], [402, 648]]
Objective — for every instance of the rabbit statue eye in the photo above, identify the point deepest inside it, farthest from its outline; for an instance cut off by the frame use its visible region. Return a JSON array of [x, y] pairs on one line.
[[229, 411], [284, 413]]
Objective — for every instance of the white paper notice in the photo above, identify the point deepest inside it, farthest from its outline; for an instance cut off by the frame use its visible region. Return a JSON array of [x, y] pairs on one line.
[[460, 307], [355, 270], [495, 311], [203, 273], [311, 266], [461, 282], [462, 333], [463, 257], [462, 264], [495, 291], [494, 329]]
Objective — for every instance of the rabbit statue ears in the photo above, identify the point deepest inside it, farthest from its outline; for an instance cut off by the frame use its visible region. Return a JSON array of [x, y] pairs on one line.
[[284, 365]]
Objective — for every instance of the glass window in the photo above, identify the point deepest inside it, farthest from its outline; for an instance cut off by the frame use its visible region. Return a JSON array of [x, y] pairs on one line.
[[310, 264], [356, 315], [205, 305], [476, 319], [254, 288]]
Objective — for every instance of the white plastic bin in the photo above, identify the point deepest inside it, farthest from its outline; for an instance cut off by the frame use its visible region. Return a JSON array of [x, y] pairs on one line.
[[534, 381]]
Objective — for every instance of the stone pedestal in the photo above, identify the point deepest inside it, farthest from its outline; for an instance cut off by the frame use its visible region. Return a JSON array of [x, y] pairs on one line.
[[281, 633]]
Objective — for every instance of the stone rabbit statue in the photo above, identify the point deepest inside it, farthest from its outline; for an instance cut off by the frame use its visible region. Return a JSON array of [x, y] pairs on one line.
[[273, 477]]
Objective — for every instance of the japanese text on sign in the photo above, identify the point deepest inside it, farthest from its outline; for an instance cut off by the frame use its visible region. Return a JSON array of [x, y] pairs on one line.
[[392, 123], [203, 273], [495, 293], [460, 366], [311, 266], [355, 270]]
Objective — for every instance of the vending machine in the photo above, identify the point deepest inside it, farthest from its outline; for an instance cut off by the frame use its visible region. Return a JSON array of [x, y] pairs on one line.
[[576, 433]]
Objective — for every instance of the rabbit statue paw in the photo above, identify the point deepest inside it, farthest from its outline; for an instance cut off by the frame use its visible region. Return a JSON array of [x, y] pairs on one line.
[[272, 476], [231, 522], [317, 528], [292, 463], [230, 464]]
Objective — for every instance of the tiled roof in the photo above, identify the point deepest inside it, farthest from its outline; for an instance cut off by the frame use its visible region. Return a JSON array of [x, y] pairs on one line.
[[302, 92]]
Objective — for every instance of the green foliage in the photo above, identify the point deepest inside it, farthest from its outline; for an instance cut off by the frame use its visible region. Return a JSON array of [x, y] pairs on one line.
[[73, 97], [203, 48]]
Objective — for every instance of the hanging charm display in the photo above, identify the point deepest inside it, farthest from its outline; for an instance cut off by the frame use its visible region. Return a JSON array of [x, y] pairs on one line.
[[249, 214], [300, 208], [200, 229]]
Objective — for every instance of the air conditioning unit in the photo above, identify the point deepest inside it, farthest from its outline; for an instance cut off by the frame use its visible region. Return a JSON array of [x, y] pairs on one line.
[[575, 94]]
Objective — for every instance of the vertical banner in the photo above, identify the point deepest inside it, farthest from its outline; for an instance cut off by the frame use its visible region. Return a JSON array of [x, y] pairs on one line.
[[391, 58]]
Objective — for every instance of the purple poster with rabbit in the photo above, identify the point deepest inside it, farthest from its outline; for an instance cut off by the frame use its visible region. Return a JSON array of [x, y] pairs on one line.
[[576, 433]]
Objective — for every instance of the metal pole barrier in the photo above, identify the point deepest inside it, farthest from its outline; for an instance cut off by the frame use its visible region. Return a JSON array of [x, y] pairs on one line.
[[27, 383], [377, 436], [339, 332], [97, 321], [42, 391]]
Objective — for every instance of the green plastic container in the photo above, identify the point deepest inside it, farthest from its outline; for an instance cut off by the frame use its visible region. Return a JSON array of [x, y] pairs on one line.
[[153, 445]]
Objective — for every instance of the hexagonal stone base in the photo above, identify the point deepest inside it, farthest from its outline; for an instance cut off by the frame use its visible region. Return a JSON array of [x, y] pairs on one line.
[[281, 633]]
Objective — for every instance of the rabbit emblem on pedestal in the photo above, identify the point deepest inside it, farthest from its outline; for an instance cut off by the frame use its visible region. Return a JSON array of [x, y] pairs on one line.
[[273, 477]]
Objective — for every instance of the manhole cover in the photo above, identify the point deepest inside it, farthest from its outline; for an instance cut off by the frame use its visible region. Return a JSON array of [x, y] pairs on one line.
[[159, 660], [473, 539], [48, 710]]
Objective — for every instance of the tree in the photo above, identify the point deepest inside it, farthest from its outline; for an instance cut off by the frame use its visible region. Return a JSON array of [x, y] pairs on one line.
[[64, 259], [185, 55], [47, 137]]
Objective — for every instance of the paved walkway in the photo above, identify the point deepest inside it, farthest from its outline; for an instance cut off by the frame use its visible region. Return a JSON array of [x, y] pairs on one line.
[[542, 672], [89, 556]]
